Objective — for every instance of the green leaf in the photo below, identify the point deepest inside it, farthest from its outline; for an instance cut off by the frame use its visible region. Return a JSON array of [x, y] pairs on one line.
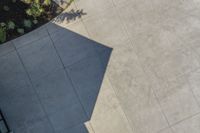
[[37, 1], [47, 2], [27, 23], [20, 30], [35, 21], [6, 8], [11, 25], [2, 34], [35, 10], [2, 24], [27, 1]]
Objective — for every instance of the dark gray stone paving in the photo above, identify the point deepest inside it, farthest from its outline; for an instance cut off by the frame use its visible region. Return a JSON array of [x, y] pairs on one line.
[[30, 37], [70, 48], [59, 100], [77, 129], [6, 48], [39, 58], [22, 108], [87, 76], [50, 84], [12, 73]]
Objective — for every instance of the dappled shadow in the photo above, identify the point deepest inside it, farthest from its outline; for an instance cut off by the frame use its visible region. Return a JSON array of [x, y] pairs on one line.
[[71, 15], [55, 83], [64, 3]]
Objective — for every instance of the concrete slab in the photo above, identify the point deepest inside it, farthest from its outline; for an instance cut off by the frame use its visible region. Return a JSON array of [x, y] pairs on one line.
[[77, 129], [12, 78], [6, 48], [66, 118], [190, 125], [41, 126], [40, 58], [168, 130], [69, 16], [110, 28], [193, 79], [175, 106], [93, 7], [108, 110], [59, 100], [22, 109], [30, 37], [70, 46], [82, 73]]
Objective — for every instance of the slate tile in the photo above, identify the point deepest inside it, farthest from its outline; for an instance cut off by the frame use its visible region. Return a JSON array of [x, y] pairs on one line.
[[12, 73], [71, 46], [87, 76], [40, 58]]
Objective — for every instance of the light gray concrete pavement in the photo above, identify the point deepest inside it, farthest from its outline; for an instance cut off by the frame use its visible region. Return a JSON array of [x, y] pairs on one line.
[[127, 66]]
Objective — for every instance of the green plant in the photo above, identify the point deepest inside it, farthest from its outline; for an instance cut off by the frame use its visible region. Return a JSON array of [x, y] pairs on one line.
[[11, 25], [36, 7], [2, 32], [35, 10], [35, 21], [20, 30], [29, 1], [47, 2], [41, 2], [27, 23], [6, 8]]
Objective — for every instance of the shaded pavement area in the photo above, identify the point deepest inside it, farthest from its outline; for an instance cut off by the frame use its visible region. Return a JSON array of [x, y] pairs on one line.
[[50, 82]]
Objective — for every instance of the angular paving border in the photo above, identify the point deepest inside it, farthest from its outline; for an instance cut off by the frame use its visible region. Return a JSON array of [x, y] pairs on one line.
[[50, 81]]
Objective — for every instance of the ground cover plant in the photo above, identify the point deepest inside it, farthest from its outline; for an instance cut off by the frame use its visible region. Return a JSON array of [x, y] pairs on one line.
[[21, 16]]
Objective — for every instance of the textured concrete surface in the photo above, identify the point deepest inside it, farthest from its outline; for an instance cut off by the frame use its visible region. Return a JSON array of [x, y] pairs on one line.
[[124, 66]]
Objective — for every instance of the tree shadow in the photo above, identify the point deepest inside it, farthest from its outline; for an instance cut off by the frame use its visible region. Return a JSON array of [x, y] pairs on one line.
[[55, 83], [71, 15]]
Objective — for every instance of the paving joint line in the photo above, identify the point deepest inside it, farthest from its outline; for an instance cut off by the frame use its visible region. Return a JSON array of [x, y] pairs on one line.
[[33, 87], [111, 83], [128, 36], [81, 21], [26, 44], [186, 118], [67, 74]]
